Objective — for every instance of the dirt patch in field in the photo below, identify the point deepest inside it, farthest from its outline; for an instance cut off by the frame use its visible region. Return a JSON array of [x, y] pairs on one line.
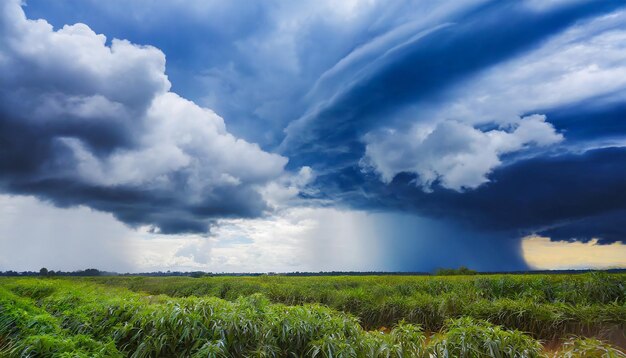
[[616, 336]]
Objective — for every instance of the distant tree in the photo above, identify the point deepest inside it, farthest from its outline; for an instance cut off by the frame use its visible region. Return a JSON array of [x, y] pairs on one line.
[[43, 271], [450, 272], [90, 272], [465, 271]]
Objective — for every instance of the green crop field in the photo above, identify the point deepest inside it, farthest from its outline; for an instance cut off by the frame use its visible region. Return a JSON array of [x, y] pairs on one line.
[[329, 316]]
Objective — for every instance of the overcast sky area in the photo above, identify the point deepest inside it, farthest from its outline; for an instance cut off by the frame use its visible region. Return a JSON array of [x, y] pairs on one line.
[[239, 136]]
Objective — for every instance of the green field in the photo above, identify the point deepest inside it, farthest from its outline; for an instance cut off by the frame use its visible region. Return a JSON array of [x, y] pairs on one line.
[[331, 316]]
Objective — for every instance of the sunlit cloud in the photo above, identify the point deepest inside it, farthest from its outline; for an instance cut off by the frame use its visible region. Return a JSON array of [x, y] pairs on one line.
[[542, 253]]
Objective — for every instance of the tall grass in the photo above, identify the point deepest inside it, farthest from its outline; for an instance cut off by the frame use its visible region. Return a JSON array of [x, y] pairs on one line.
[[80, 318], [28, 331], [548, 306]]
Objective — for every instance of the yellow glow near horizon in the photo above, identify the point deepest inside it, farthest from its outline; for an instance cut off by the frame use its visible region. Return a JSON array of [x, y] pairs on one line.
[[541, 253]]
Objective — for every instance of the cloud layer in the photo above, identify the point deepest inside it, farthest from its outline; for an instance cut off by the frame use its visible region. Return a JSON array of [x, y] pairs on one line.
[[479, 121]]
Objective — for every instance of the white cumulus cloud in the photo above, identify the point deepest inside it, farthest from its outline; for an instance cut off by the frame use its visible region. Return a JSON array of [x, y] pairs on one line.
[[456, 154], [102, 115]]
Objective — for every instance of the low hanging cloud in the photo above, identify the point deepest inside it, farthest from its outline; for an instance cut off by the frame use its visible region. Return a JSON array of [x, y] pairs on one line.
[[83, 122], [455, 154]]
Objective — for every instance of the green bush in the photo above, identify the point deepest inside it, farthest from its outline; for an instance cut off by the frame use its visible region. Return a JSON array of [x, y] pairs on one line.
[[465, 338]]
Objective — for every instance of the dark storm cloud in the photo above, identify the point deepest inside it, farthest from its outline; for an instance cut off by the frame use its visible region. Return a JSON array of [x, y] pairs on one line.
[[417, 71], [83, 123], [514, 108], [548, 191], [566, 197], [167, 211], [607, 228], [591, 120], [577, 194]]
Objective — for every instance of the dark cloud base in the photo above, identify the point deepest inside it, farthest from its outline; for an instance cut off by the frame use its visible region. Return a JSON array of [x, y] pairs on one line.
[[26, 168], [556, 195]]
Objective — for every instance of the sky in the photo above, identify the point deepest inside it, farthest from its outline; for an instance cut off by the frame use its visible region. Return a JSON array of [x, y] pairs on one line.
[[312, 135]]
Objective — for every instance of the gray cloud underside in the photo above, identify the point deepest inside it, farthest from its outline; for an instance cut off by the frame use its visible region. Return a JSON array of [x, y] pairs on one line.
[[85, 123]]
